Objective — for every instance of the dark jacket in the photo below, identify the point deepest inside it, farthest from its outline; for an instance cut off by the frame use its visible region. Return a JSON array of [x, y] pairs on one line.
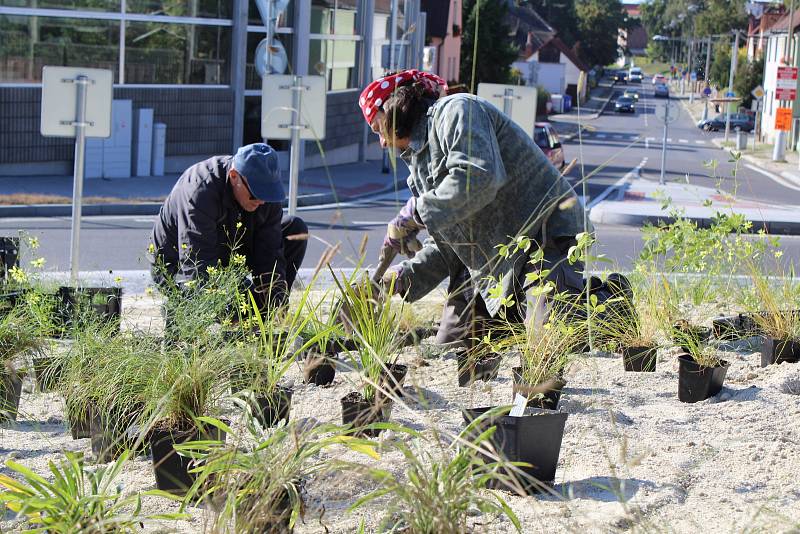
[[197, 227]]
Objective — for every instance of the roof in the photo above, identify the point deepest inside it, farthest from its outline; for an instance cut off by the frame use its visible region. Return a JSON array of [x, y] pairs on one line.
[[633, 10], [570, 53], [782, 26], [438, 15], [529, 31]]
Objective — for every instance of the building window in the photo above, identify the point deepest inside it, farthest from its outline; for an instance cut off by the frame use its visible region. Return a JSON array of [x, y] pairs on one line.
[[252, 78], [335, 17], [29, 43], [336, 60], [218, 9], [159, 53], [86, 5], [284, 21]]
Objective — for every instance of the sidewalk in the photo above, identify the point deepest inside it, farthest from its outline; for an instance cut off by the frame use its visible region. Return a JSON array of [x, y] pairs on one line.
[[599, 98], [51, 196], [785, 172], [636, 201]]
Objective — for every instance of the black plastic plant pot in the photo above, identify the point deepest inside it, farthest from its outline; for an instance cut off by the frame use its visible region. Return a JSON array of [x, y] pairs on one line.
[[700, 333], [779, 351], [534, 438], [111, 435], [471, 370], [49, 371], [270, 410], [393, 380], [727, 327], [10, 393], [544, 395], [639, 359], [697, 383], [171, 469], [358, 412], [319, 369], [9, 299], [9, 254], [80, 422]]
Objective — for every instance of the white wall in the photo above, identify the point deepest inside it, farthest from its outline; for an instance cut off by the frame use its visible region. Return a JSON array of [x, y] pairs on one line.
[[773, 55]]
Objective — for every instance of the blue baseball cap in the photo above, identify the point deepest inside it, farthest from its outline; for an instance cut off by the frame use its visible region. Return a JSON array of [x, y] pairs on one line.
[[259, 164]]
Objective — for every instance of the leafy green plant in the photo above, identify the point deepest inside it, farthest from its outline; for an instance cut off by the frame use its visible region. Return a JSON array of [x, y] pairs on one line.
[[77, 500], [441, 485], [258, 487]]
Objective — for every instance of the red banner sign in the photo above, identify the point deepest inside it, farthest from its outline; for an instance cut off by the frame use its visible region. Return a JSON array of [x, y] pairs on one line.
[[786, 84]]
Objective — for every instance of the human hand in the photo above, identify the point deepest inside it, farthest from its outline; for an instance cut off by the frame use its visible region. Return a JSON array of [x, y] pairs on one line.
[[401, 232]]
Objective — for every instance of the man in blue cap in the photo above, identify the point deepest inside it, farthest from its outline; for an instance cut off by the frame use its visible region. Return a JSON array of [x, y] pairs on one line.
[[227, 199]]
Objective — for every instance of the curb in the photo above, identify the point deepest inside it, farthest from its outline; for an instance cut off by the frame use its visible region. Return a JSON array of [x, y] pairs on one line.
[[153, 208], [600, 215]]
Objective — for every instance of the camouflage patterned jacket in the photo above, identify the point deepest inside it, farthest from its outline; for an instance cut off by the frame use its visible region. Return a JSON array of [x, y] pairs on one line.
[[480, 181]]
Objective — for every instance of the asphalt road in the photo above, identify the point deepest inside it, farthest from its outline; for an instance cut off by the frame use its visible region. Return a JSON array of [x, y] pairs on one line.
[[618, 142], [614, 146]]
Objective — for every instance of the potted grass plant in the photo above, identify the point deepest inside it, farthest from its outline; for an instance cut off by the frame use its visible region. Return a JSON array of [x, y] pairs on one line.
[[442, 492], [259, 487], [184, 385], [18, 334], [319, 360], [701, 372], [278, 343], [80, 308], [634, 331], [375, 332], [779, 326]]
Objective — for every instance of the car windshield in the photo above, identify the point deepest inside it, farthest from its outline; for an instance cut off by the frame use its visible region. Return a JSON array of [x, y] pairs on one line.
[[540, 137], [630, 93], [623, 100]]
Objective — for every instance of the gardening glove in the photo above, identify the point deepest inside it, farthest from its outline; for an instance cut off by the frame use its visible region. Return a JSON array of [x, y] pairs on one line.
[[401, 232], [401, 283]]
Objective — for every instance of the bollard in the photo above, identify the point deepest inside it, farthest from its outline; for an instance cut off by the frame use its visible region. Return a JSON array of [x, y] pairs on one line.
[[741, 140]]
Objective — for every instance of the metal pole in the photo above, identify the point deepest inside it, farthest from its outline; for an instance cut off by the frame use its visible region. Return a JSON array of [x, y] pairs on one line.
[[705, 76], [393, 37], [691, 83], [662, 180], [508, 97], [368, 15], [734, 54], [294, 162], [81, 83]]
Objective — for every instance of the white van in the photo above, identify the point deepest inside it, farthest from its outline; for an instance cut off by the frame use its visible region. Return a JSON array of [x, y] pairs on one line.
[[635, 75]]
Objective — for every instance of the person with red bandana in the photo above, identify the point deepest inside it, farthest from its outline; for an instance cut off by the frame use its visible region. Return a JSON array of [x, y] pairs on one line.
[[477, 181]]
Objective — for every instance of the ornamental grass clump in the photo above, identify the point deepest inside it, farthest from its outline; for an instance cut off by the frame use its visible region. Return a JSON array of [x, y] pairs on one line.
[[775, 307], [692, 343], [442, 488], [369, 314], [256, 483]]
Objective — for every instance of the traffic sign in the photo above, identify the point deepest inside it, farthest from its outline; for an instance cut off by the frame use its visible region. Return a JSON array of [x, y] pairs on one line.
[[758, 92], [669, 112], [783, 119], [786, 83], [707, 91], [730, 94], [693, 76]]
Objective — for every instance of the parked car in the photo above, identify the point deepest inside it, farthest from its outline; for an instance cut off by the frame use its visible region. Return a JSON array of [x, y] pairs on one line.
[[661, 91], [635, 75], [659, 78], [546, 138], [631, 93], [621, 77], [625, 104], [739, 121]]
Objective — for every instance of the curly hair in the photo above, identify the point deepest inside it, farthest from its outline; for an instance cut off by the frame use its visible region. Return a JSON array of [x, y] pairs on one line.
[[401, 111]]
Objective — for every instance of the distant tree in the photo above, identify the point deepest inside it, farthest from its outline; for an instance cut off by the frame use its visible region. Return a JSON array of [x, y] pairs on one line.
[[599, 22], [491, 59], [720, 16], [721, 64], [749, 75]]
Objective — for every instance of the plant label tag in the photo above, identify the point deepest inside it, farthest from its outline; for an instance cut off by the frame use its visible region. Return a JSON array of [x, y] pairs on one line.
[[520, 402]]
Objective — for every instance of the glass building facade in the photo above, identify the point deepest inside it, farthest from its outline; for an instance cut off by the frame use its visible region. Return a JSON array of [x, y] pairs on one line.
[[194, 59]]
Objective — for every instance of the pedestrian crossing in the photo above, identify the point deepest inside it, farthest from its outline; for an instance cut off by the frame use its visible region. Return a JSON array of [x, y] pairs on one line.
[[588, 136]]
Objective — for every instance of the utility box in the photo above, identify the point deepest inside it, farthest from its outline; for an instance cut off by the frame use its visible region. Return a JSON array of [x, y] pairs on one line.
[[117, 148], [159, 149], [142, 141]]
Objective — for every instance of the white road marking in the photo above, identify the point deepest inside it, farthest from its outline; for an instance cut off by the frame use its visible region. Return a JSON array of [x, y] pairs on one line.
[[369, 223], [684, 141], [601, 136], [700, 142], [619, 137], [616, 185], [669, 139], [774, 177]]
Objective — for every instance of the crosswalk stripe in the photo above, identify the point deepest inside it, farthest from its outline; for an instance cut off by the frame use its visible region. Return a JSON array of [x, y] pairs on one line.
[[683, 141], [700, 141]]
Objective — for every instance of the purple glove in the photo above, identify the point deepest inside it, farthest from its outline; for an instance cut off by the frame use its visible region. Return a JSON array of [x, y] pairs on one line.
[[401, 284], [401, 232]]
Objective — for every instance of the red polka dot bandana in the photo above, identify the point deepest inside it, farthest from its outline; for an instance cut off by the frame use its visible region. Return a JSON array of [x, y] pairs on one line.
[[376, 93]]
